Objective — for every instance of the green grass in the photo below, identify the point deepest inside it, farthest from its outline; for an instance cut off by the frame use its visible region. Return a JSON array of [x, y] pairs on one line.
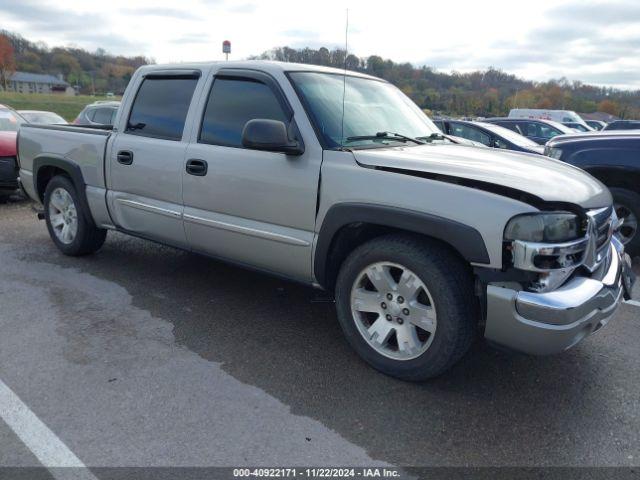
[[67, 107]]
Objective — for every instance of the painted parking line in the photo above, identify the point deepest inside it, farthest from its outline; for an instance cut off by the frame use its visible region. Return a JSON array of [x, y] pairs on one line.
[[635, 303], [43, 443]]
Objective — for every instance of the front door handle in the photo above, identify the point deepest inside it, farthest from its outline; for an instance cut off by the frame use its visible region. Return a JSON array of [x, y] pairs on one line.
[[197, 167], [125, 157]]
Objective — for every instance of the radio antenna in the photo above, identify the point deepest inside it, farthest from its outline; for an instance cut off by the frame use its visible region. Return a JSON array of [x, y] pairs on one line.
[[344, 79]]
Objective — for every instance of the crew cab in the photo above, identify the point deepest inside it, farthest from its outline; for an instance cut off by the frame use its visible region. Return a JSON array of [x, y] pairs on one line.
[[337, 180]]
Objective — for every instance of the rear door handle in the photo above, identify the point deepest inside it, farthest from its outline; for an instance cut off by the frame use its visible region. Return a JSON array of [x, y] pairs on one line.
[[125, 157], [197, 167]]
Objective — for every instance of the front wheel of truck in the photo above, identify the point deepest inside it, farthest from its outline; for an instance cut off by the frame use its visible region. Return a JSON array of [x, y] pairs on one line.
[[70, 227], [406, 305]]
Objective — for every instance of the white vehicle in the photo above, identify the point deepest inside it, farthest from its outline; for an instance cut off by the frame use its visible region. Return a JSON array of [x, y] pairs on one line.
[[560, 116]]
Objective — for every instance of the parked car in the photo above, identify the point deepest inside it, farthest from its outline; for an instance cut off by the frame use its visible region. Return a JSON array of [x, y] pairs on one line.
[[491, 135], [98, 113], [422, 242], [10, 122], [578, 127], [539, 131], [42, 117], [611, 157], [623, 125], [560, 116], [596, 124]]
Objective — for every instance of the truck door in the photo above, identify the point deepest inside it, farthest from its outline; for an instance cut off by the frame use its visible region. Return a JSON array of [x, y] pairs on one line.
[[146, 158], [250, 206]]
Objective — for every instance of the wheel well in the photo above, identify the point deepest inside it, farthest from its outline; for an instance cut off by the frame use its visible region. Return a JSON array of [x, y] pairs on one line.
[[45, 174], [351, 236], [617, 178]]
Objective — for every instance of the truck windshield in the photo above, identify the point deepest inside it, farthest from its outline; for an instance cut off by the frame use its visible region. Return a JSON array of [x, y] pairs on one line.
[[370, 107]]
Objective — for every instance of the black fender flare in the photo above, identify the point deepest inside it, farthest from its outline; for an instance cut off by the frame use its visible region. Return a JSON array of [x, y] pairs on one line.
[[70, 168], [466, 240]]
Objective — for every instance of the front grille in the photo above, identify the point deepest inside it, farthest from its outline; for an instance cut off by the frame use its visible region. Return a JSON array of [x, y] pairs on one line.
[[603, 218], [602, 222]]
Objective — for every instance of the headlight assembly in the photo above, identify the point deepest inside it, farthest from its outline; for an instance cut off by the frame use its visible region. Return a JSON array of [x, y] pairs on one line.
[[544, 227], [549, 243], [553, 152]]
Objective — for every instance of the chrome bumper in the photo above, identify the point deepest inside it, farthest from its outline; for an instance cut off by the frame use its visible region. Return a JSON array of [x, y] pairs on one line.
[[547, 323]]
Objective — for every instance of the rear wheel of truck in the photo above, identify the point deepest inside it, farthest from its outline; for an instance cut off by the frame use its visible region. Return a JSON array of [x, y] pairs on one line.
[[70, 227], [406, 304], [627, 205]]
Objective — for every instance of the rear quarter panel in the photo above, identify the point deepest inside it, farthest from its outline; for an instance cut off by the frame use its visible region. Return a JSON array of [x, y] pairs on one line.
[[83, 147]]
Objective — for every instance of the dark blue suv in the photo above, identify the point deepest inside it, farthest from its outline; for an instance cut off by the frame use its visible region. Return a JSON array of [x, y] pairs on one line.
[[611, 157]]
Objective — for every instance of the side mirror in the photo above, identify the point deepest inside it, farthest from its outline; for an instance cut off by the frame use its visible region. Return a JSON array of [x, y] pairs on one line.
[[269, 135]]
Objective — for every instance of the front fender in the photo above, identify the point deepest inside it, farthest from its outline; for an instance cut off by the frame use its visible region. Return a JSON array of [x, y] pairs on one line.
[[466, 240]]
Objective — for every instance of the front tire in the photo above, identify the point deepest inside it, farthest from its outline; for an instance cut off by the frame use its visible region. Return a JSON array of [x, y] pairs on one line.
[[70, 226], [627, 205], [406, 305]]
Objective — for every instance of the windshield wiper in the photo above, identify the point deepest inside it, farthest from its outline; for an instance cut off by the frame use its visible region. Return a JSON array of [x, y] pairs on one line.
[[434, 136], [385, 136]]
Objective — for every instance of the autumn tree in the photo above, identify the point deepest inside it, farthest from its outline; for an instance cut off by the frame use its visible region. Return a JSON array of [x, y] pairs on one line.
[[7, 61], [66, 63], [608, 106]]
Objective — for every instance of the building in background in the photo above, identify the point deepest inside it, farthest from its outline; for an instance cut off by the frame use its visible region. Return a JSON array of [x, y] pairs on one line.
[[24, 82]]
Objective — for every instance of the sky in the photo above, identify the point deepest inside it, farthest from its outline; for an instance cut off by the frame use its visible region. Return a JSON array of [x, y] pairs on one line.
[[594, 42]]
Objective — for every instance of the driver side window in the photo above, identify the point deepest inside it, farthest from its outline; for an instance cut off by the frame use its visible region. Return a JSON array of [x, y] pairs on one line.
[[499, 143], [470, 133], [232, 103]]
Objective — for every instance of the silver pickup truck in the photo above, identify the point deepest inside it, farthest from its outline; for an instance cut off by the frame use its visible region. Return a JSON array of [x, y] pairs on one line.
[[339, 181]]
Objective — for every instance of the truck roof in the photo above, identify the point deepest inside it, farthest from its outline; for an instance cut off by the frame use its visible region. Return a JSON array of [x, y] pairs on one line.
[[268, 66]]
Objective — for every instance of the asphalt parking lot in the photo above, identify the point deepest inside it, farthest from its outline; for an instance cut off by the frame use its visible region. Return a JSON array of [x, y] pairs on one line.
[[142, 355]]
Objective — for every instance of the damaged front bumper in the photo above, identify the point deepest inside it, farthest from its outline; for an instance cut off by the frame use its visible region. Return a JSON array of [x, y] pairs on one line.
[[548, 323]]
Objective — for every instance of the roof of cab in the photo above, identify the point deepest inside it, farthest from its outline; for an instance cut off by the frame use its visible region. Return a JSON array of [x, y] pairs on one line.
[[267, 66]]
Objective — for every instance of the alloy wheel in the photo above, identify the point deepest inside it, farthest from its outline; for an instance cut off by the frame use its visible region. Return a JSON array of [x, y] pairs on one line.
[[393, 310], [63, 216], [629, 227]]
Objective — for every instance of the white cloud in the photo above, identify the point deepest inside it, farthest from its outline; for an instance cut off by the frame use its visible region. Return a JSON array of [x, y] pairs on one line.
[[580, 40]]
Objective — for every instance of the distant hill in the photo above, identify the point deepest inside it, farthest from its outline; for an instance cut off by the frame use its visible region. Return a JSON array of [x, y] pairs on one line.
[[483, 93], [97, 71]]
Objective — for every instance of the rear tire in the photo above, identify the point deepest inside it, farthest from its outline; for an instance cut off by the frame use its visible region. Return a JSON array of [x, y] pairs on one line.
[[627, 204], [71, 227], [440, 289]]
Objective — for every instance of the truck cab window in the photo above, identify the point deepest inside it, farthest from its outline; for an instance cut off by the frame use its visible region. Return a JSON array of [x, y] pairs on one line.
[[103, 116], [160, 107], [231, 104]]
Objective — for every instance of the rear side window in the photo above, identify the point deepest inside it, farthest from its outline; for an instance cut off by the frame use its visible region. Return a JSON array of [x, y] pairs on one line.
[[232, 103], [160, 107], [103, 116]]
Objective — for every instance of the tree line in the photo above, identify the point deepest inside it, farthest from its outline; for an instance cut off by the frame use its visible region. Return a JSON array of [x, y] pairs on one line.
[[486, 93], [91, 72], [490, 92]]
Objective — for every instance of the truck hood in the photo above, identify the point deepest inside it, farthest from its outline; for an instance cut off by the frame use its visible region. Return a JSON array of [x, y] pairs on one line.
[[7, 144], [542, 177]]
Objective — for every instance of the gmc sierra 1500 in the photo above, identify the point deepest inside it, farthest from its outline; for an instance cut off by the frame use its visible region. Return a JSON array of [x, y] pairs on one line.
[[336, 179]]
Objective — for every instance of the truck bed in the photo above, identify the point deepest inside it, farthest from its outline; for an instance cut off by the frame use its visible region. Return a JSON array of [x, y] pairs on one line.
[[83, 145]]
